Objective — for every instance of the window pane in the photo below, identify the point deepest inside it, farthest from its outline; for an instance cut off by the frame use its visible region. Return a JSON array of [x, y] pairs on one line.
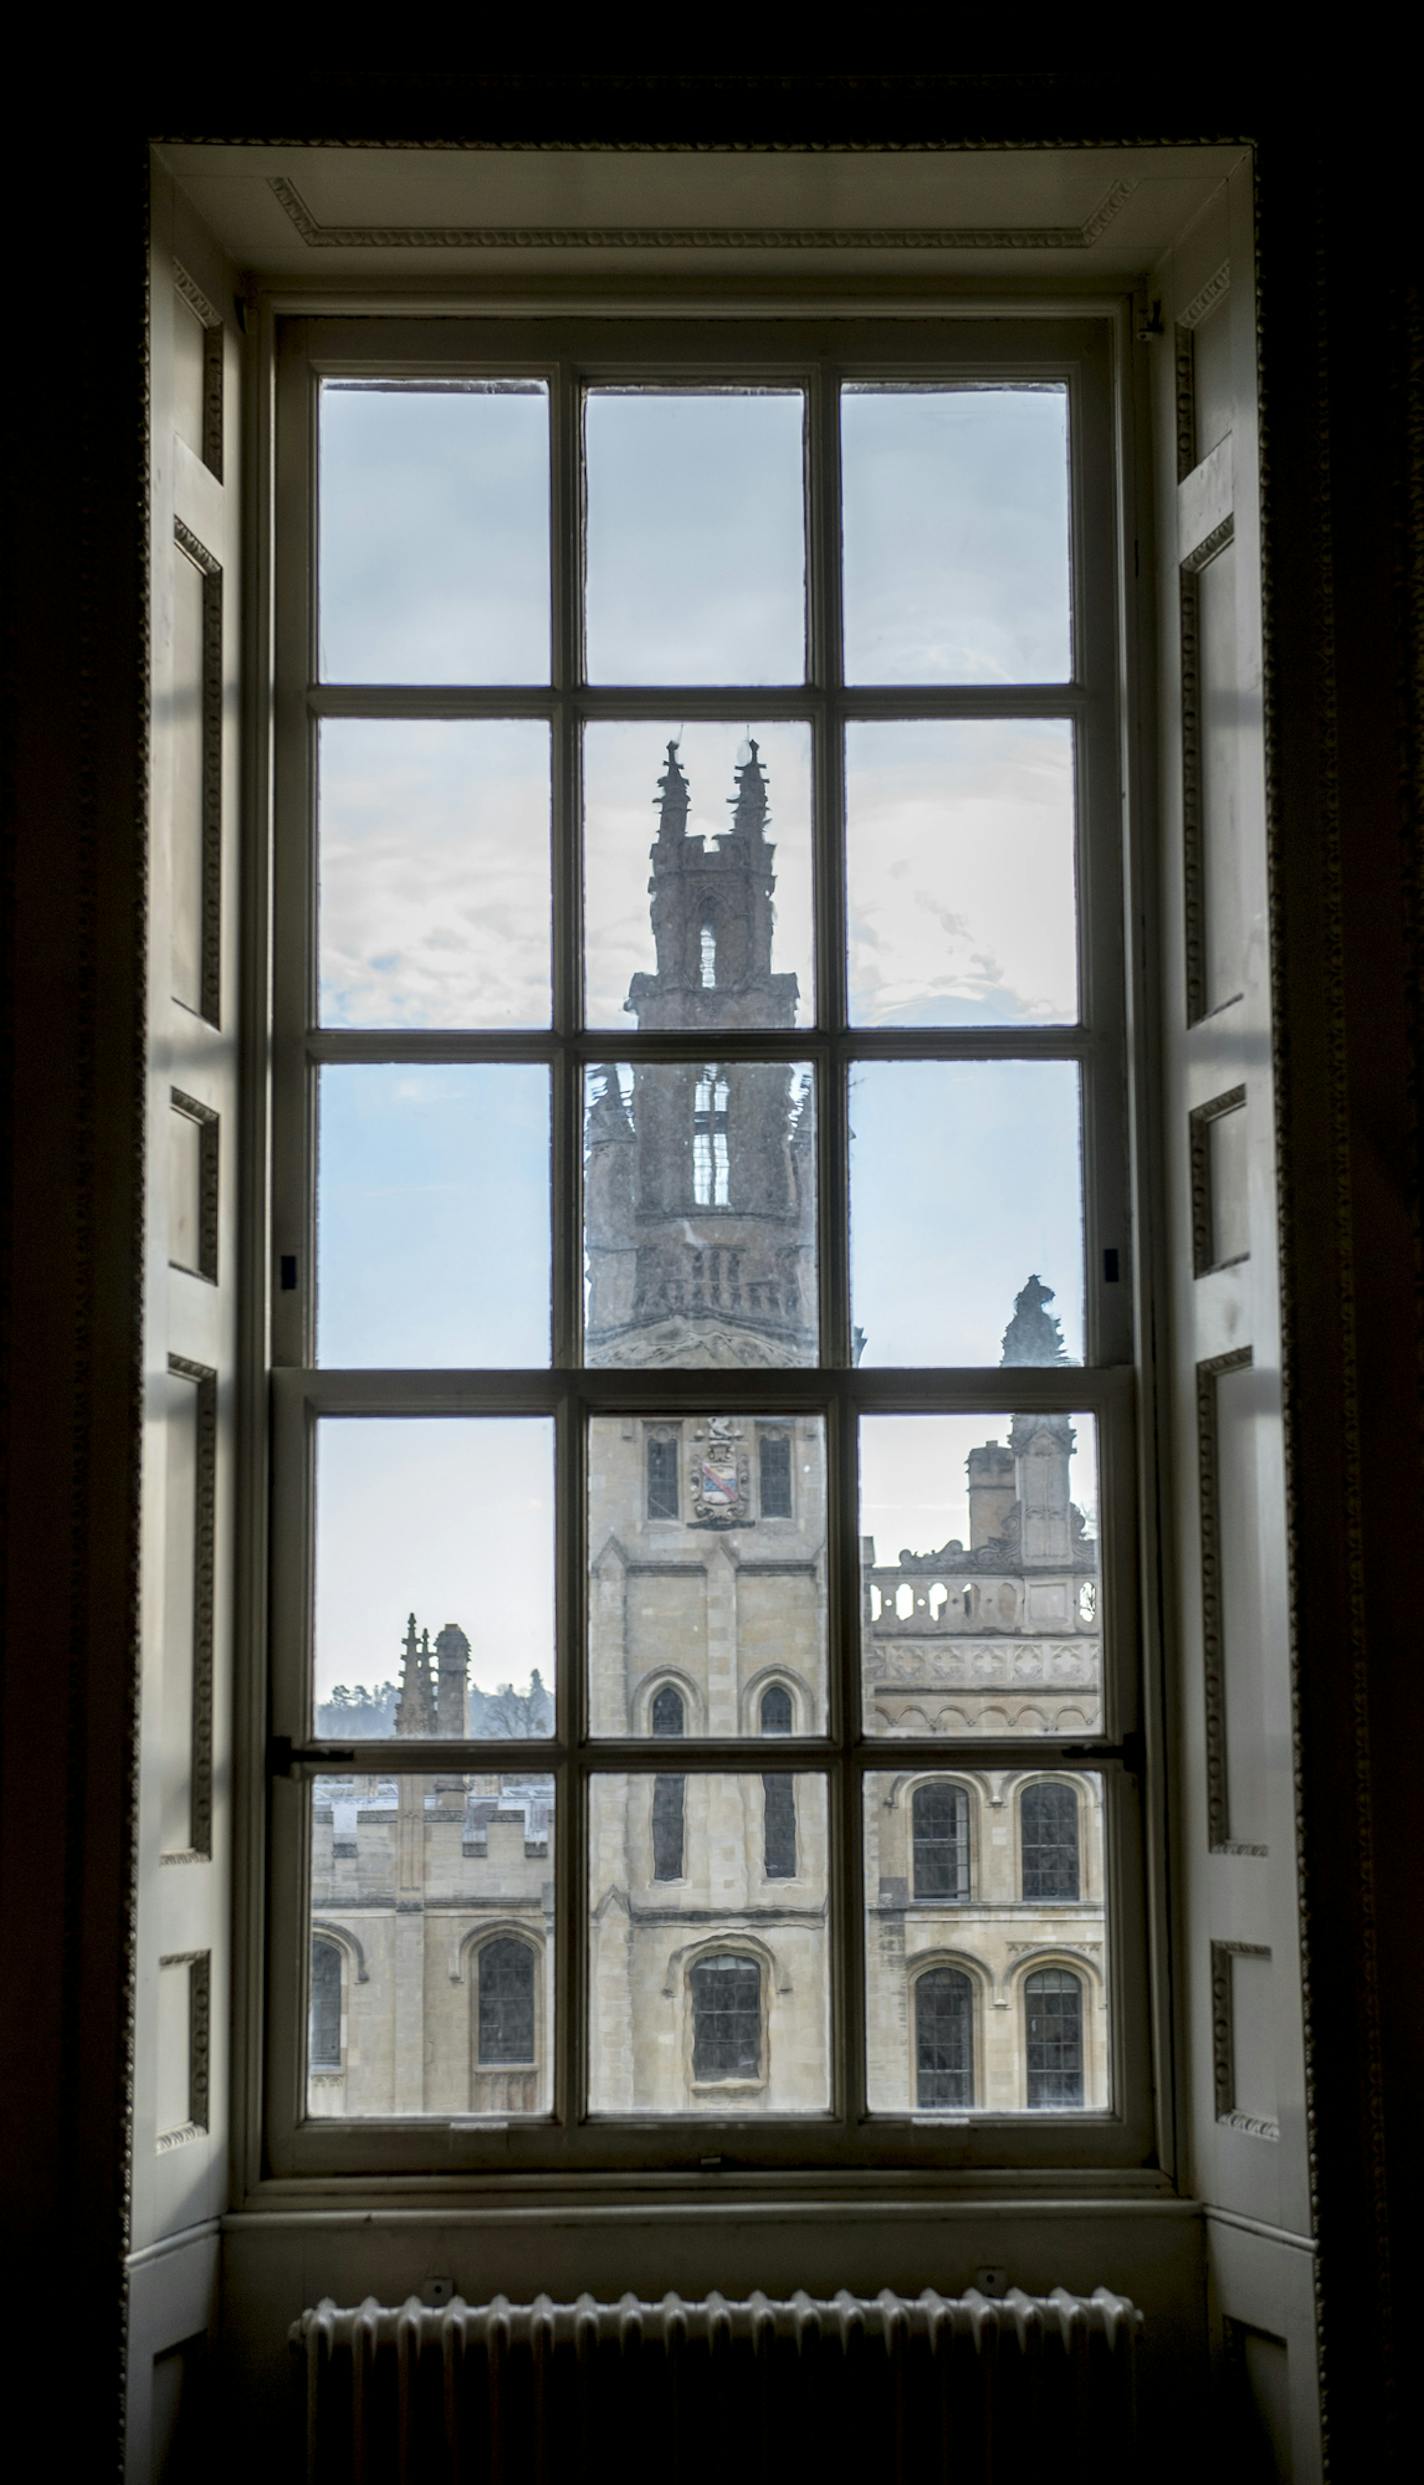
[[690, 1602], [696, 535], [956, 534], [966, 1212], [700, 1214], [710, 1988], [959, 856], [434, 873], [979, 1547], [434, 1576], [434, 531], [965, 2011], [697, 875], [435, 1896], [433, 1215]]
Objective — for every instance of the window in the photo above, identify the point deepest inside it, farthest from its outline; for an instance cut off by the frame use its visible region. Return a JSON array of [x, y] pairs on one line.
[[506, 2003], [1053, 2021], [709, 1140], [1048, 1820], [944, 2039], [663, 1454], [324, 2038], [726, 2019], [775, 1475], [699, 1038], [941, 1841]]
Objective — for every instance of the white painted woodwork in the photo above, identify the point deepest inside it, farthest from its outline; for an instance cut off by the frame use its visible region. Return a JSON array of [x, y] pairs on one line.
[[1229, 1654], [180, 2126]]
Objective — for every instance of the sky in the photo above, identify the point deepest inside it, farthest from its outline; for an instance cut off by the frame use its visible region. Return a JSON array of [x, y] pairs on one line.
[[434, 903]]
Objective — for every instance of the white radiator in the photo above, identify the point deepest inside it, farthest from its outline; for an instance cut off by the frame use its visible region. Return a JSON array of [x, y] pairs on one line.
[[882, 2390]]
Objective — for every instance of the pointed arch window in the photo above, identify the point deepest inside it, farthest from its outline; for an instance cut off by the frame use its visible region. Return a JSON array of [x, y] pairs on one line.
[[1053, 2034], [668, 1719], [324, 2026], [1048, 1830], [709, 1140], [726, 2018], [505, 2017], [940, 1839], [778, 1793], [775, 1475], [708, 958], [944, 2039]]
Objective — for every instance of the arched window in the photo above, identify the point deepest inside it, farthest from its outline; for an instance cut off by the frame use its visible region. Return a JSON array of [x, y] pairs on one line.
[[667, 1718], [940, 1821], [324, 2026], [709, 958], [726, 2018], [775, 1466], [709, 1141], [505, 2019], [776, 1714], [1053, 2017], [1048, 1829], [668, 1714], [944, 2038], [662, 1455]]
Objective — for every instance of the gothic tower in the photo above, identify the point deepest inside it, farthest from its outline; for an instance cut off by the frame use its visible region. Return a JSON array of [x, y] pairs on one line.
[[700, 1203]]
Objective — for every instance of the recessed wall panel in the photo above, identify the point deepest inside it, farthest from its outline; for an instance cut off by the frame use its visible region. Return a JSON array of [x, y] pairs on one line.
[[195, 722], [1211, 376], [181, 2039], [192, 1186], [1211, 760], [1231, 1602], [1221, 1230], [185, 1698]]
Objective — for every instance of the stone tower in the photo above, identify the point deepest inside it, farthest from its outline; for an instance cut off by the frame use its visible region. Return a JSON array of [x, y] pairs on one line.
[[700, 1202]]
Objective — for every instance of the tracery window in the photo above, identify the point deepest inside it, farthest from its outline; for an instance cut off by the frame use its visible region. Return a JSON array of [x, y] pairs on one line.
[[940, 1840], [944, 2039], [324, 2036], [1053, 2026], [726, 2019], [505, 2019], [1048, 1830]]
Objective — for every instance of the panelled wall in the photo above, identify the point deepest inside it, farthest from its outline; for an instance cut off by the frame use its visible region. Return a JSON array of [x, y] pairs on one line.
[[1231, 1699], [190, 1287]]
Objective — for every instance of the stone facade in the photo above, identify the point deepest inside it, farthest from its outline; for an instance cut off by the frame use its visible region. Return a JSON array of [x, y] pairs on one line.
[[708, 1893]]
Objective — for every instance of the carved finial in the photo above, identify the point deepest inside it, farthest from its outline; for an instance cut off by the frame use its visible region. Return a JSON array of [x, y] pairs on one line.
[[1034, 1335], [749, 804], [672, 796]]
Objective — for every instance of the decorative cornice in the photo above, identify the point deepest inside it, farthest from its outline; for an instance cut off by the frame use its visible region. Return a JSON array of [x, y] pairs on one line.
[[318, 236]]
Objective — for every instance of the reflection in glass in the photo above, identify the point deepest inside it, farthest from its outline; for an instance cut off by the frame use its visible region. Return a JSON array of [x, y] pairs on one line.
[[956, 533], [993, 1999], [959, 861], [433, 1214], [696, 560], [701, 1621], [434, 499], [700, 1214], [720, 935], [433, 868], [978, 1535], [710, 1992], [432, 1958], [962, 1175], [434, 1577]]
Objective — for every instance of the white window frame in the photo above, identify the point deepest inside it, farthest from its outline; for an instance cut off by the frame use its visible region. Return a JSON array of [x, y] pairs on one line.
[[1085, 346]]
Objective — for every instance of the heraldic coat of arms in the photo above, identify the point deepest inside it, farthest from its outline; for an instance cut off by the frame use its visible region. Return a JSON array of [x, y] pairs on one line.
[[721, 1476]]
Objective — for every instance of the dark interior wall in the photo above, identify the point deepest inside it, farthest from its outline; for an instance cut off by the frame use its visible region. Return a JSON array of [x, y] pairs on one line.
[[1343, 382]]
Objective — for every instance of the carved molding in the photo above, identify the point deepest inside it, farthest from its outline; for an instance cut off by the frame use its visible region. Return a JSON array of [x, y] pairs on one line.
[[319, 236], [1211, 544], [1212, 1633], [199, 1966], [1223, 2041], [212, 327], [1199, 1143], [1193, 819], [1210, 294], [205, 1496], [210, 972], [209, 1143]]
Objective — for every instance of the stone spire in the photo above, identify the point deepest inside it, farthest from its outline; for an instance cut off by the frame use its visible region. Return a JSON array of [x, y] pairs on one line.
[[1034, 1334], [749, 803], [415, 1708], [452, 1679], [672, 800]]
